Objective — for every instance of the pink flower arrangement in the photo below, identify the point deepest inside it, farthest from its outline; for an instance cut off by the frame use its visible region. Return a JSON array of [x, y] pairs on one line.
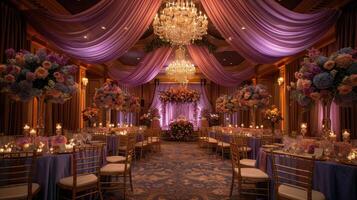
[[226, 104], [58, 140], [326, 78], [179, 95], [253, 96], [90, 114], [109, 96], [131, 104], [28, 75], [180, 129], [273, 114], [146, 118]]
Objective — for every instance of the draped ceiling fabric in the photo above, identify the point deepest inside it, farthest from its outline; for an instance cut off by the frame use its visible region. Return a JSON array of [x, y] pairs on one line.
[[145, 71], [213, 70], [175, 110], [102, 33], [271, 31]]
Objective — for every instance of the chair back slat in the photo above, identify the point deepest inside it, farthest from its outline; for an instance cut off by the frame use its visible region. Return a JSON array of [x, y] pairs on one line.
[[292, 170], [16, 168], [86, 160]]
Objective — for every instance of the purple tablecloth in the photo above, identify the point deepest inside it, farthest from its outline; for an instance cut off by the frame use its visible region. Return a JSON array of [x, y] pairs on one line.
[[336, 181]]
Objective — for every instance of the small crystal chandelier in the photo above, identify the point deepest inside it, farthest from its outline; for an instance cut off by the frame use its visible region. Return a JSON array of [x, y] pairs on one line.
[[180, 69], [180, 23]]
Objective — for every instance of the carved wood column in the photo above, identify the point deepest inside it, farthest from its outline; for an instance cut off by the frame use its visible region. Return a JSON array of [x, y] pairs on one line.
[[82, 94], [283, 101]]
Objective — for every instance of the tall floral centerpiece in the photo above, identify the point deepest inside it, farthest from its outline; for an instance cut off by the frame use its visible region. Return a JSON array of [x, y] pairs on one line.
[[180, 94], [148, 117], [131, 105], [326, 79], [226, 104], [273, 116], [43, 76], [252, 97], [109, 96], [90, 115]]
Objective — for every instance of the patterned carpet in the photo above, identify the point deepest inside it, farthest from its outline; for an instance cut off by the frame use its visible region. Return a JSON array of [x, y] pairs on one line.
[[181, 171]]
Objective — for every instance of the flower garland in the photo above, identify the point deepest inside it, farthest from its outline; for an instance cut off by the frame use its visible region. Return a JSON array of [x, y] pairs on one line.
[[28, 75], [256, 96], [326, 78], [109, 96], [179, 95], [226, 104]]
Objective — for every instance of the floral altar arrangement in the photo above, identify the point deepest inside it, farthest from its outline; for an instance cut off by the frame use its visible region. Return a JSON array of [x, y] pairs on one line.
[[326, 79], [90, 114], [179, 95], [109, 96], [147, 118], [27, 75], [273, 115], [226, 104], [180, 130]]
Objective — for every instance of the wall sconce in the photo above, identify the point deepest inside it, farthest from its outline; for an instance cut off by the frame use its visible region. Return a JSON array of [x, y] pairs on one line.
[[280, 80], [84, 81]]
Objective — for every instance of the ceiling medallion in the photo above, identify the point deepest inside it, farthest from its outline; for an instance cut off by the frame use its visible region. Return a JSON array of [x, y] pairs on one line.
[[180, 69], [180, 23]]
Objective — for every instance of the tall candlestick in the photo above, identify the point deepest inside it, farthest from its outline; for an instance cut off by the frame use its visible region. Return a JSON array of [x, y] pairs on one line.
[[346, 136], [33, 132]]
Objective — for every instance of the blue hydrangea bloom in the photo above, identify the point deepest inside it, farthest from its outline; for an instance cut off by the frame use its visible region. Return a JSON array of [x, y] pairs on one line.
[[323, 80]]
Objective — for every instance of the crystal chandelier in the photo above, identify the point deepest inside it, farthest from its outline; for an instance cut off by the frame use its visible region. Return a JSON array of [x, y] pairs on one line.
[[180, 23], [180, 69]]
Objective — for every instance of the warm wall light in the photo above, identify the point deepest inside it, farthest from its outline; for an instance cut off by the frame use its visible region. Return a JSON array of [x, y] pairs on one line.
[[84, 81], [280, 80]]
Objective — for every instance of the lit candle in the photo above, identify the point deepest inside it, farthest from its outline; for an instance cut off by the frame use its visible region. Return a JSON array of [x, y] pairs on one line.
[[261, 126], [346, 136], [26, 127], [229, 125], [303, 127], [257, 127], [118, 124], [27, 145], [58, 126], [242, 125], [100, 124], [33, 132], [94, 124], [1, 150], [332, 136], [250, 126], [236, 126]]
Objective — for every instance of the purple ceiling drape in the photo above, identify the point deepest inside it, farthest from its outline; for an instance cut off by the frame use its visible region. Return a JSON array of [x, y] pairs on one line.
[[145, 71], [213, 70], [270, 31], [102, 33]]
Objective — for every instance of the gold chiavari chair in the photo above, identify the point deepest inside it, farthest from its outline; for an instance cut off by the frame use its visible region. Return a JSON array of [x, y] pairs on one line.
[[267, 139], [249, 179], [222, 147], [16, 175], [202, 137], [119, 156], [242, 142], [143, 145], [113, 171], [293, 177], [211, 141], [154, 138], [84, 181]]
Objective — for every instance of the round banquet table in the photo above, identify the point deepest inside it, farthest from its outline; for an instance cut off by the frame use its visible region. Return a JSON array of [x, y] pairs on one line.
[[334, 180], [253, 142]]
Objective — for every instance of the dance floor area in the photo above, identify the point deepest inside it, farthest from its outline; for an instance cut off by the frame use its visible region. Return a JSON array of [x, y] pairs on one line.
[[180, 171]]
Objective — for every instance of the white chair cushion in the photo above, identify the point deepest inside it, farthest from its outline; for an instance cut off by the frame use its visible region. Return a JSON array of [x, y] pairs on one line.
[[252, 173], [115, 159], [82, 180], [117, 168], [248, 162], [140, 144], [223, 144], [212, 140], [17, 191], [298, 193], [203, 138], [245, 149], [153, 139]]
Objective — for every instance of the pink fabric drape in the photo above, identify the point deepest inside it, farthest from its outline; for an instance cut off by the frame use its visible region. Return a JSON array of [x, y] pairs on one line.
[[213, 70], [264, 31], [145, 71], [99, 34]]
